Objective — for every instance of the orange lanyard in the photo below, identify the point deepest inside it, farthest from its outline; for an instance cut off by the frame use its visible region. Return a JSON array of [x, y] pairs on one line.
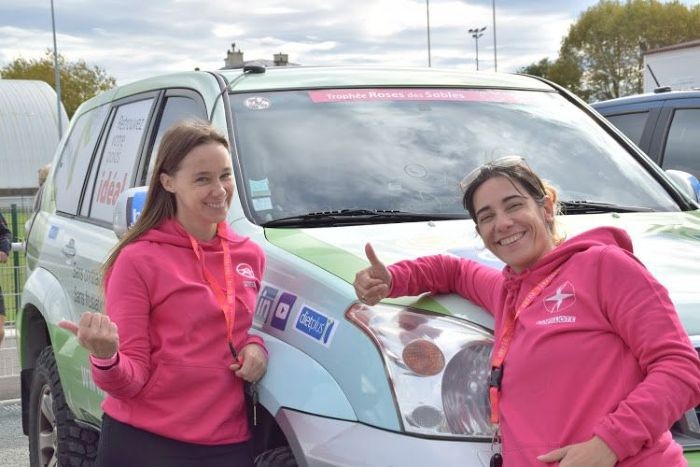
[[226, 302], [506, 339]]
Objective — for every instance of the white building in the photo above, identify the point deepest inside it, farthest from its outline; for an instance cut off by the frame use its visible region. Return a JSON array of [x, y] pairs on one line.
[[677, 66], [28, 135]]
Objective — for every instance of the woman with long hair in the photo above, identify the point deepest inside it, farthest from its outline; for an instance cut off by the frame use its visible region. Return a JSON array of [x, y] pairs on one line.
[[173, 350]]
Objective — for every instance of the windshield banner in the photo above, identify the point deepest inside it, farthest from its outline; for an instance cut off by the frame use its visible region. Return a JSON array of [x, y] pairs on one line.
[[380, 94]]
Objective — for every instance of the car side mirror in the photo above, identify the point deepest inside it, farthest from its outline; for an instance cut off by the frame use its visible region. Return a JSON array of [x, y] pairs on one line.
[[128, 208], [688, 183]]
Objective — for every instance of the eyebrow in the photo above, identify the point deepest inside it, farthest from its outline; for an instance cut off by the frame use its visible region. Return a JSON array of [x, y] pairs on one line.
[[204, 172], [503, 201]]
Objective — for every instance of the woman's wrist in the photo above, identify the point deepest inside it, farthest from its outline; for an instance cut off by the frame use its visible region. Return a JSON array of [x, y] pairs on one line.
[[104, 363]]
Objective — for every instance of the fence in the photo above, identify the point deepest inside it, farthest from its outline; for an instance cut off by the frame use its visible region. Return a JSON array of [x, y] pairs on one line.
[[12, 272]]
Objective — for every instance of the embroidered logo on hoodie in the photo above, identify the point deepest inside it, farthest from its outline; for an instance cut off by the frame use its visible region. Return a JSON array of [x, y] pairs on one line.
[[563, 297]]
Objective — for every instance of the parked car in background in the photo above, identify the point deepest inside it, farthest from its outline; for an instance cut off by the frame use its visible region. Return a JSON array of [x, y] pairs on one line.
[[665, 125], [325, 159]]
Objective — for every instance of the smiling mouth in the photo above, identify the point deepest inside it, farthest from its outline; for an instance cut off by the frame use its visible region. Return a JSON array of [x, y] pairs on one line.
[[512, 239], [216, 205]]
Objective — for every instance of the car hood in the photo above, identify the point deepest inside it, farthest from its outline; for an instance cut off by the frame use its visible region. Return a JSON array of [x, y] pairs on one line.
[[667, 243]]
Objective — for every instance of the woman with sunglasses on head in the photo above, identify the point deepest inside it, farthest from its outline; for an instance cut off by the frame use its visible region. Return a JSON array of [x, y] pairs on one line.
[[591, 365], [173, 350]]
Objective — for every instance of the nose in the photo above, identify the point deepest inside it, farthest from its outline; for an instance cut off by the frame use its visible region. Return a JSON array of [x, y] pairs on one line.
[[503, 221]]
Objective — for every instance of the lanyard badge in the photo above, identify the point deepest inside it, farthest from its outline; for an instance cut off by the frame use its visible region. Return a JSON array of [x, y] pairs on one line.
[[227, 301], [499, 354]]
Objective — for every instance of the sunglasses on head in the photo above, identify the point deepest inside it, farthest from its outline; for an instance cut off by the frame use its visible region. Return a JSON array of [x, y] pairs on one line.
[[501, 162]]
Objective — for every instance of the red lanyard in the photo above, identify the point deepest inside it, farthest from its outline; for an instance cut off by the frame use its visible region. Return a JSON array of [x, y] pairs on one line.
[[226, 302], [506, 339]]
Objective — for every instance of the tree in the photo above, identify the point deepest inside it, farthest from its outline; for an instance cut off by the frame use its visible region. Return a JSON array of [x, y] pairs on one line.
[[540, 68], [602, 55], [609, 39], [79, 82]]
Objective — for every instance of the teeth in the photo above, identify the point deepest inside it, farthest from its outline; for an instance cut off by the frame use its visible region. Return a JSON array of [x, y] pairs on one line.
[[215, 206], [513, 238]]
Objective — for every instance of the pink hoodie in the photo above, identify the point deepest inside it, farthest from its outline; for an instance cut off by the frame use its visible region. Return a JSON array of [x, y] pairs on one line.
[[173, 377], [600, 351]]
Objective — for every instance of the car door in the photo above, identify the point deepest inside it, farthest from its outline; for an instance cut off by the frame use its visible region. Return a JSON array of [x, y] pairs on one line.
[[677, 135]]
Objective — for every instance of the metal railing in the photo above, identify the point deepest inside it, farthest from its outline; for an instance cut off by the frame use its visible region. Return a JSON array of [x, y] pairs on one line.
[[12, 272]]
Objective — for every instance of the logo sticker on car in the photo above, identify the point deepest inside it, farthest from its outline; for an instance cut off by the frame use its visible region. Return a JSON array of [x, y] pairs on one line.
[[282, 311], [265, 301], [315, 325]]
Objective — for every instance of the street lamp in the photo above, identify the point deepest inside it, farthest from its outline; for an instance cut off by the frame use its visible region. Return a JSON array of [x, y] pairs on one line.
[[427, 17], [57, 76], [476, 34]]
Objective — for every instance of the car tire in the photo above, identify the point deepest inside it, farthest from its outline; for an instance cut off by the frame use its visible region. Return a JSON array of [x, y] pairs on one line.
[[278, 457], [54, 437]]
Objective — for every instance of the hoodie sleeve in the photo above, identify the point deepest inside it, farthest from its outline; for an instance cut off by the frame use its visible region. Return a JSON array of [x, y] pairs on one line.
[[442, 274], [127, 304], [641, 312]]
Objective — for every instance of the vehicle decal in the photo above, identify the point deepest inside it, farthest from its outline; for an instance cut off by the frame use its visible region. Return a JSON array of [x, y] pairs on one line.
[[262, 204], [259, 188], [315, 325], [265, 301], [257, 103], [282, 311], [323, 96], [53, 232]]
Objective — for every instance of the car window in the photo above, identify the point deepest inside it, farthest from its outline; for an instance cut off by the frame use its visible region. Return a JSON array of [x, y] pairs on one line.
[[682, 150], [631, 124], [77, 153], [407, 149], [177, 108], [119, 157]]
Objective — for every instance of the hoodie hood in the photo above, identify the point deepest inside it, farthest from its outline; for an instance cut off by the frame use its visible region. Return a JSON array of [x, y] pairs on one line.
[[597, 237]]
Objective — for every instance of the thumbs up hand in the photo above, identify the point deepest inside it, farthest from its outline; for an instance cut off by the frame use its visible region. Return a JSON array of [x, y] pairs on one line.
[[373, 283]]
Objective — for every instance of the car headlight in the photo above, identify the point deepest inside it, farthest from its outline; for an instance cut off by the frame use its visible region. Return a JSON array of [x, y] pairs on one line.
[[438, 366]]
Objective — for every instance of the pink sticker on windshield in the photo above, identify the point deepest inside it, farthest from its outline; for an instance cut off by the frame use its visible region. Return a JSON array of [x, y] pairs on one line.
[[369, 95]]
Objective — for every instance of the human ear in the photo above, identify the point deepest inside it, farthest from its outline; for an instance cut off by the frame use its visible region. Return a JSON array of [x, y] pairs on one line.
[[167, 182], [548, 206]]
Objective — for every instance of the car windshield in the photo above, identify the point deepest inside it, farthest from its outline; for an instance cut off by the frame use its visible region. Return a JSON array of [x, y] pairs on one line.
[[361, 151]]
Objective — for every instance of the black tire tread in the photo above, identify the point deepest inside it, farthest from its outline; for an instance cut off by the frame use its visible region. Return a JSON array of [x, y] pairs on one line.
[[77, 446], [277, 457]]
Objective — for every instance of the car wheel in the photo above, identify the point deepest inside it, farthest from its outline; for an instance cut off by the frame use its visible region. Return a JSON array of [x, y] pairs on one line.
[[278, 457], [54, 438]]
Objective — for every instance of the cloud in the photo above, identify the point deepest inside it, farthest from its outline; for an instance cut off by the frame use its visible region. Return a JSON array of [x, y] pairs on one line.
[[133, 39]]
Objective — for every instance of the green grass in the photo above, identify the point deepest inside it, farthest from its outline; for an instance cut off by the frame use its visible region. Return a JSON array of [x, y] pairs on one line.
[[15, 265]]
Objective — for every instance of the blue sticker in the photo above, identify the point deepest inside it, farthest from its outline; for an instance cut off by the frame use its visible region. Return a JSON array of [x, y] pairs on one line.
[[265, 300], [134, 206], [259, 187], [316, 326], [53, 232], [282, 311]]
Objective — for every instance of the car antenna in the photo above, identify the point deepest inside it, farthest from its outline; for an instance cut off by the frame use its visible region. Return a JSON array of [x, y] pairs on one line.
[[247, 69]]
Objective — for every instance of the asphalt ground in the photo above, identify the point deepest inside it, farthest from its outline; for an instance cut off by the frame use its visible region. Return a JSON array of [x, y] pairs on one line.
[[14, 451]]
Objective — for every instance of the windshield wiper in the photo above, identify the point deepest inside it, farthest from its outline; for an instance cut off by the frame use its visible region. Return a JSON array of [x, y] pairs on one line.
[[356, 217], [587, 207]]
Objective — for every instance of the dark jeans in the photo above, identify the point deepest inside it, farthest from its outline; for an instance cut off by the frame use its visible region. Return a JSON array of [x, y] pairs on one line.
[[123, 445]]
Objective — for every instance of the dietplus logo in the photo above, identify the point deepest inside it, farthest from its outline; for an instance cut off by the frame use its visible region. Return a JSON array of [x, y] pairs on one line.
[[245, 270], [563, 298], [315, 325]]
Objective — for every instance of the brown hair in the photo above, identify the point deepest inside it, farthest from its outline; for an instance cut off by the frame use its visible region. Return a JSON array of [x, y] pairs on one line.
[[514, 169], [160, 204]]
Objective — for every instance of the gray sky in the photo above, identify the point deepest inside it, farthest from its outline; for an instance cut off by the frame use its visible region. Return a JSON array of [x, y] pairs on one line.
[[133, 39]]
